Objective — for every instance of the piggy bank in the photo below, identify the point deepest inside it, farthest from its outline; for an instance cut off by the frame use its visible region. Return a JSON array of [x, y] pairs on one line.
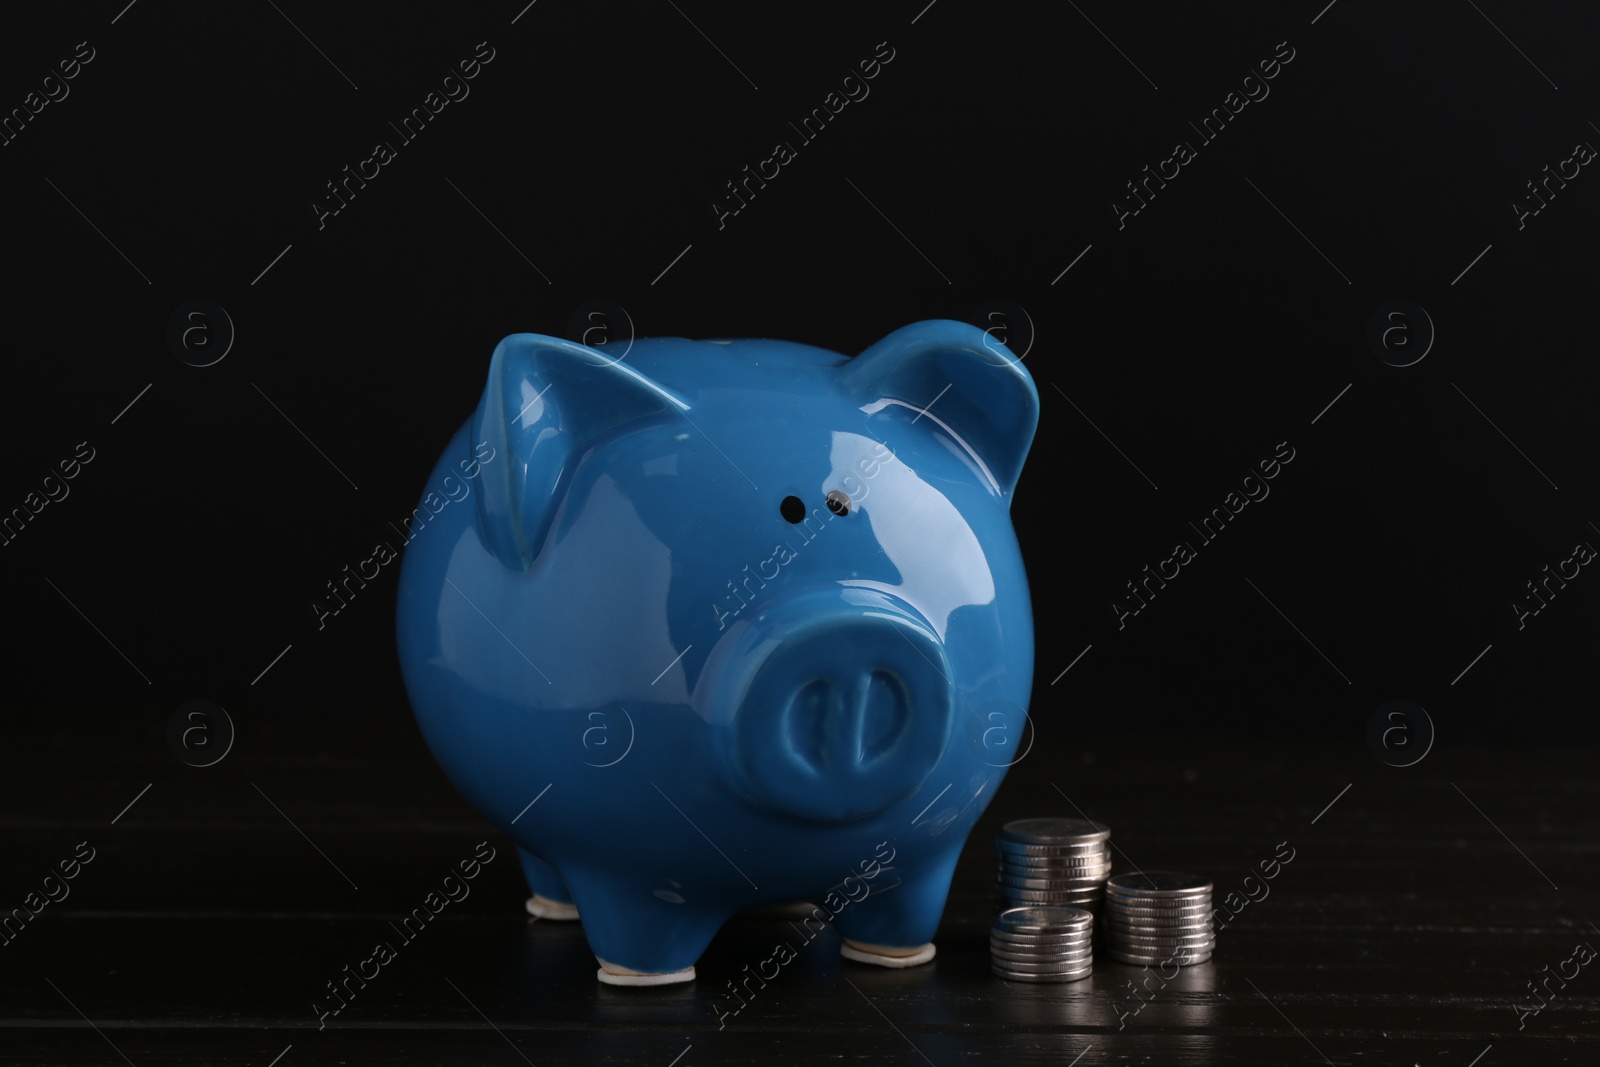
[[720, 625]]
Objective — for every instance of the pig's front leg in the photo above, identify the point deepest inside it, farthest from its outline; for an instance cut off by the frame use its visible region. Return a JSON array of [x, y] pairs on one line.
[[642, 936], [894, 923], [551, 899]]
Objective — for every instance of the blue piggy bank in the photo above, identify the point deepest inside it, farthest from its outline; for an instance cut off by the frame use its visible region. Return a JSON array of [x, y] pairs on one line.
[[719, 625]]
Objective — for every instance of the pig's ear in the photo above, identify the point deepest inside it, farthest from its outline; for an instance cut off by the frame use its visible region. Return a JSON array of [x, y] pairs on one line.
[[959, 381], [547, 401]]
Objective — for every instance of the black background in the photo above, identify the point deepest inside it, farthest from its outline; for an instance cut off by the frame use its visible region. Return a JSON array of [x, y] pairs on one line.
[[984, 162], [1196, 338]]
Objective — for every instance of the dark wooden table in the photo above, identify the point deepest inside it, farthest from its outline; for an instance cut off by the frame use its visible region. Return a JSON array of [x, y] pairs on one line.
[[1419, 905]]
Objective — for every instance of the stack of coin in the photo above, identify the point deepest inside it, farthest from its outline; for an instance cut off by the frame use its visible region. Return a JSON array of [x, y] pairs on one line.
[[1157, 917], [1060, 862], [1042, 944]]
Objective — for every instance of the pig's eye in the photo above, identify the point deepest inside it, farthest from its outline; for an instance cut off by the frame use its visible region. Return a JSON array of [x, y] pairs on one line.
[[838, 502], [792, 509]]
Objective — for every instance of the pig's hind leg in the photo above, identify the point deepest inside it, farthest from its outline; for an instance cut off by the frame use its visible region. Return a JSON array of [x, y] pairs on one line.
[[551, 899]]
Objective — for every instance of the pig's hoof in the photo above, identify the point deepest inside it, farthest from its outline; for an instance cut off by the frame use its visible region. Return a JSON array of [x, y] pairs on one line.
[[545, 908], [886, 956], [611, 974]]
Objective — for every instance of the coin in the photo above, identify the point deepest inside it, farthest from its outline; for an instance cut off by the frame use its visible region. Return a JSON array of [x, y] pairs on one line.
[[1057, 887], [1053, 864], [1150, 942], [1020, 898], [1023, 976], [1042, 919], [1098, 862], [1123, 935], [1041, 965], [1123, 899], [1160, 913], [1017, 960], [1163, 885], [1018, 881], [1151, 936], [1052, 831], [1065, 937], [1012, 951], [1117, 915], [1060, 935], [1112, 927], [1018, 848], [1181, 957], [1090, 890]]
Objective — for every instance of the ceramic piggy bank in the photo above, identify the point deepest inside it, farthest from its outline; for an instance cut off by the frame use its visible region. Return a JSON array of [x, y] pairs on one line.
[[719, 625]]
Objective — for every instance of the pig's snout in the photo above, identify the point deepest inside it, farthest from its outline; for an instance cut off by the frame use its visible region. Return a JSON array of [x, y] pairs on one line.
[[835, 709]]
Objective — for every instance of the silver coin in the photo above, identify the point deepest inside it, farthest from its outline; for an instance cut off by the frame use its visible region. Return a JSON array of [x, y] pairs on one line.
[[1146, 930], [1016, 848], [1197, 918], [1028, 898], [1113, 911], [1042, 947], [1052, 863], [1055, 935], [1162, 913], [1055, 863], [1153, 930], [1039, 979], [1162, 952], [1145, 926], [1156, 959], [1159, 952], [1052, 831], [1051, 941], [1028, 864], [1096, 872], [1063, 849], [1042, 920], [1065, 939], [1051, 881], [1018, 976], [1162, 885], [1124, 933], [1148, 933], [1024, 898], [1080, 888], [1040, 952], [1004, 904], [1007, 843], [1124, 937], [1063, 959], [1198, 902], [1076, 958], [1061, 936], [1041, 966], [1011, 944], [1049, 896], [1017, 881], [1133, 899]]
